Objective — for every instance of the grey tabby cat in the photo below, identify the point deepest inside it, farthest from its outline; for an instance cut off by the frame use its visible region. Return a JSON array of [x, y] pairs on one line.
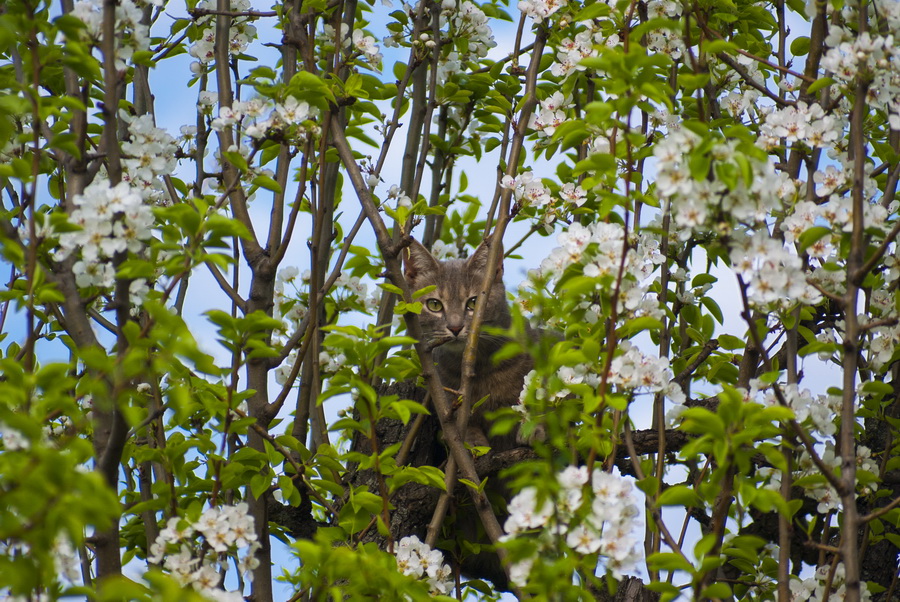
[[446, 315]]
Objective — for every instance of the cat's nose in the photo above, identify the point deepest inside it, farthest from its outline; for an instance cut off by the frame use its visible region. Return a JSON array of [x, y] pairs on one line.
[[455, 330]]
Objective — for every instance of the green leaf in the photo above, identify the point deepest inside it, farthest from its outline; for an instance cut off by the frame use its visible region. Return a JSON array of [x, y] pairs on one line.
[[591, 11], [66, 141], [391, 288], [632, 327], [143, 57], [716, 590], [403, 307], [236, 159], [259, 484], [713, 308], [364, 500], [424, 475], [811, 235], [422, 291], [399, 70], [669, 561], [402, 411], [702, 421], [267, 183], [800, 46], [649, 485], [473, 485], [668, 591], [678, 495], [311, 88], [704, 545], [599, 162], [822, 82], [730, 342], [703, 279], [877, 388], [717, 46]]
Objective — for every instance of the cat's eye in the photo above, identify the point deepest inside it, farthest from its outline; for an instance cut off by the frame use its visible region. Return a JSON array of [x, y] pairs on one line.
[[434, 305], [470, 304]]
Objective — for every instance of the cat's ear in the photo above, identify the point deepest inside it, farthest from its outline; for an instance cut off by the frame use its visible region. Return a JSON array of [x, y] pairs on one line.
[[418, 262], [479, 258]]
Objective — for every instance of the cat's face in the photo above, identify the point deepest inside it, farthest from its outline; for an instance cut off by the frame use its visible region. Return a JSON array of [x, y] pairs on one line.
[[447, 310]]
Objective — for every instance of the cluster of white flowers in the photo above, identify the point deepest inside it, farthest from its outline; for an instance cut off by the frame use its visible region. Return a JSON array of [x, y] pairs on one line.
[[291, 306], [290, 116], [551, 114], [819, 410], [602, 141], [574, 194], [66, 562], [401, 199], [836, 213], [632, 369], [736, 104], [808, 124], [283, 371], [823, 493], [226, 531], [148, 154], [871, 57], [13, 439], [242, 33], [663, 40], [112, 219], [773, 271], [349, 293], [829, 180], [206, 101], [608, 528], [827, 496], [287, 307], [349, 287], [540, 9], [366, 45], [464, 19], [699, 204], [458, 20], [527, 190], [885, 341], [666, 42], [813, 588], [442, 251], [817, 413], [330, 362], [532, 192], [132, 35], [418, 560], [663, 9], [327, 37], [357, 41], [571, 51], [598, 249]]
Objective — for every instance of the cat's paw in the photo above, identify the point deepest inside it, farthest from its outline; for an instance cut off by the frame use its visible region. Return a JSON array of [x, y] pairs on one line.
[[475, 437]]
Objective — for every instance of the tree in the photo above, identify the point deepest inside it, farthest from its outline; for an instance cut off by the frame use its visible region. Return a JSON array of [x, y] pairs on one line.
[[188, 309]]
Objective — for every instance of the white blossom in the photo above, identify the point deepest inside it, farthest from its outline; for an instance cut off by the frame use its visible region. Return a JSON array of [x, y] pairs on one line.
[[418, 560], [608, 531]]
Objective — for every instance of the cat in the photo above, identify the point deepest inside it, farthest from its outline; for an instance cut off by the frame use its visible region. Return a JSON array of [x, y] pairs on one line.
[[445, 318]]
